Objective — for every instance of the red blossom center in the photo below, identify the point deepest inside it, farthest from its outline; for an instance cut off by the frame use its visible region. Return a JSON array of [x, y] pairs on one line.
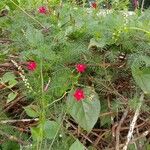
[[31, 65], [94, 5], [81, 67], [79, 95], [42, 10]]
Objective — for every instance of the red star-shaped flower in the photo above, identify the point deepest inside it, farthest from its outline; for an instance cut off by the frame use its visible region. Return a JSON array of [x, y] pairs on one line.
[[42, 10], [79, 95], [81, 67], [31, 65], [94, 5]]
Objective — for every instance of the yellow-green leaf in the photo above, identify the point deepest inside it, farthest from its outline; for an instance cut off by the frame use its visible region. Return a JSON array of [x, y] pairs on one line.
[[11, 97]]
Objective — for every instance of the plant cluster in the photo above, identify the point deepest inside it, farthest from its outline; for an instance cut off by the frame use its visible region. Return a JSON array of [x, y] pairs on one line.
[[68, 66]]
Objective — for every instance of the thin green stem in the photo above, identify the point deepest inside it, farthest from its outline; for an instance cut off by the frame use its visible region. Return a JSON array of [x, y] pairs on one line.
[[42, 103], [57, 99], [42, 80], [140, 29]]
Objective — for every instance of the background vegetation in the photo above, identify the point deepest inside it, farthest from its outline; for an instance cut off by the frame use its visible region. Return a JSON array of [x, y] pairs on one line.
[[74, 76]]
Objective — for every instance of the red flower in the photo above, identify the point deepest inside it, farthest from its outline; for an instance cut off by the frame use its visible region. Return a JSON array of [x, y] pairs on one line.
[[94, 5], [79, 95], [81, 67], [42, 10], [31, 65]]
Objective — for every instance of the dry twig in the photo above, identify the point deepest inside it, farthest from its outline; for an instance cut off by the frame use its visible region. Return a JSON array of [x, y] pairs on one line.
[[118, 128], [13, 138], [21, 120], [132, 125]]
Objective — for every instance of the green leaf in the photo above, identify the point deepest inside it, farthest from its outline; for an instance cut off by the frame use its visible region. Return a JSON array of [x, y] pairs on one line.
[[86, 111], [142, 78], [47, 129], [11, 97], [36, 133], [131, 147], [99, 43], [104, 120], [77, 145], [50, 129], [10, 145], [10, 78], [12, 83], [141, 74], [32, 111]]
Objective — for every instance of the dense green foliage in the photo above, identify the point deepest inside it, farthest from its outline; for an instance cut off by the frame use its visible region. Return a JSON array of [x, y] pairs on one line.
[[57, 41]]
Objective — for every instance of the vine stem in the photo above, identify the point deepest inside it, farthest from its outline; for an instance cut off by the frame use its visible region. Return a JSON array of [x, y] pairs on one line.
[[42, 103], [28, 14], [57, 99], [140, 29]]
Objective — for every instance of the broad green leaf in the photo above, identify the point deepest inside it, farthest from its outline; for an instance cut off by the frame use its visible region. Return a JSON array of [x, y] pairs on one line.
[[32, 110], [36, 133], [11, 97], [86, 111], [12, 83], [50, 129], [77, 145], [10, 78], [10, 145], [47, 129], [141, 74]]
